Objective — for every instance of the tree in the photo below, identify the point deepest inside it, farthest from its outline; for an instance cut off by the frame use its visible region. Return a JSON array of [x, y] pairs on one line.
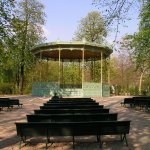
[[114, 9], [141, 42], [6, 14], [139, 45], [117, 12], [91, 28], [27, 32]]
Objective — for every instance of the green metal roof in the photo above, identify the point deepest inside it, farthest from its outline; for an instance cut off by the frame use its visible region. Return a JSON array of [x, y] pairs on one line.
[[71, 50]]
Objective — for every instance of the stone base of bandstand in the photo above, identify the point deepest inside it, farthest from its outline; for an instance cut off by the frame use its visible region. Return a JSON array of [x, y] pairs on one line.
[[87, 89]]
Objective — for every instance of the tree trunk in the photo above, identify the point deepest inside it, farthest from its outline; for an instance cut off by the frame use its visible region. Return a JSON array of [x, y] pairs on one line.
[[22, 79], [140, 83], [17, 78]]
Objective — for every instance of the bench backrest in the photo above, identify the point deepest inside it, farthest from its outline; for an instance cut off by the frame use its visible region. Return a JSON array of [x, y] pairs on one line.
[[71, 107], [73, 128], [142, 97], [71, 100], [70, 111], [6, 102], [14, 101], [72, 117], [4, 98], [136, 101], [71, 103], [77, 98], [31, 129], [128, 101]]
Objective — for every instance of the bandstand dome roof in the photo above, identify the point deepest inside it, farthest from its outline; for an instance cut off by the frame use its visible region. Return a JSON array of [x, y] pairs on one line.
[[71, 50]]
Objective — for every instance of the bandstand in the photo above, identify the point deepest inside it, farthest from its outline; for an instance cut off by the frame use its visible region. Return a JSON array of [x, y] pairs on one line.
[[73, 52]]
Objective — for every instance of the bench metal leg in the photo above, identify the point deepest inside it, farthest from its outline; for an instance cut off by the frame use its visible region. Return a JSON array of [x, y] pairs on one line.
[[46, 143], [125, 138], [22, 139], [73, 142], [122, 104], [19, 145], [49, 139], [99, 138], [121, 137]]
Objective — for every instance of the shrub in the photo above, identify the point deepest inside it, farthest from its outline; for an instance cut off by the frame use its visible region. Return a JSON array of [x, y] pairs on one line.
[[28, 88], [133, 90], [6, 88]]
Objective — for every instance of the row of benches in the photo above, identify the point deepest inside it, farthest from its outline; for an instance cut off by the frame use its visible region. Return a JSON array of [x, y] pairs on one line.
[[74, 121], [141, 102], [9, 103]]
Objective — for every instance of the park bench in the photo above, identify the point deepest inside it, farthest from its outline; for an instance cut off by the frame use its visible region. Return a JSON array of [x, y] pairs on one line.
[[70, 111], [141, 102], [71, 107], [77, 98], [5, 102], [141, 97], [15, 102], [9, 103], [73, 129], [71, 103], [72, 117], [75, 103], [72, 100], [128, 101]]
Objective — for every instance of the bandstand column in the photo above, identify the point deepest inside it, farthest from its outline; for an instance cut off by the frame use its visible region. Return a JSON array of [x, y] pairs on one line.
[[79, 68], [47, 67], [79, 74], [40, 65], [101, 74], [62, 73], [94, 70], [109, 71], [82, 67], [59, 66]]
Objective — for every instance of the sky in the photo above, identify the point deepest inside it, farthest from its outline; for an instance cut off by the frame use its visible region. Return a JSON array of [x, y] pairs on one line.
[[63, 17]]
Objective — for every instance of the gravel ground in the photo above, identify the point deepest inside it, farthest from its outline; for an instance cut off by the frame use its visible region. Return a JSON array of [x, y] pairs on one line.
[[138, 139]]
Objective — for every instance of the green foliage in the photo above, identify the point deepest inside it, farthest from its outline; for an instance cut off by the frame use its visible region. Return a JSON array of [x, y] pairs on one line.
[[28, 88], [115, 10], [141, 44], [6, 88], [138, 47], [72, 74], [133, 90], [6, 14], [141, 40], [24, 32], [91, 28], [28, 33]]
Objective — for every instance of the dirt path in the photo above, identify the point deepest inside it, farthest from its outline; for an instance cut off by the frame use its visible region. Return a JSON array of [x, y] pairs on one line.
[[138, 139]]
